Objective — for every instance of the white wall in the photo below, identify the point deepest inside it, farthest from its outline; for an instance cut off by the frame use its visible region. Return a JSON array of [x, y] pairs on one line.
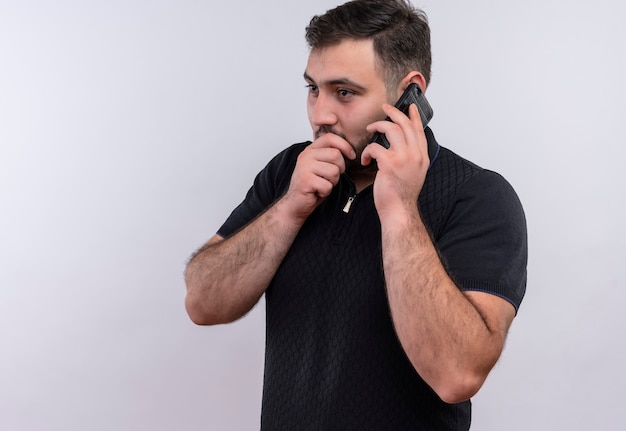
[[130, 129]]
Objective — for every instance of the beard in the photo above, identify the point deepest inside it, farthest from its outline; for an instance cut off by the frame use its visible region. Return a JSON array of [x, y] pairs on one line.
[[355, 165]]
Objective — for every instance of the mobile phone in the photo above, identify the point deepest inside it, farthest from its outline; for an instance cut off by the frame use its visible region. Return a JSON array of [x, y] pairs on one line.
[[412, 95]]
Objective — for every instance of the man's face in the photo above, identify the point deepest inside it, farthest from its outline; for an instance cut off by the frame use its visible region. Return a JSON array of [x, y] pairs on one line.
[[346, 91]]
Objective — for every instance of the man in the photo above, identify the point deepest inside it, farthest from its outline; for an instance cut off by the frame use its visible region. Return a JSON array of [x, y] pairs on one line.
[[391, 276]]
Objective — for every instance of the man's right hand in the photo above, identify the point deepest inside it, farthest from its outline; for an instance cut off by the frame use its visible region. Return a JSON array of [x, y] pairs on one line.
[[317, 171], [225, 278]]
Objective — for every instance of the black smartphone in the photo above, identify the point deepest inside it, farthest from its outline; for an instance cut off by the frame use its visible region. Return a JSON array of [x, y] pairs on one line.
[[412, 95]]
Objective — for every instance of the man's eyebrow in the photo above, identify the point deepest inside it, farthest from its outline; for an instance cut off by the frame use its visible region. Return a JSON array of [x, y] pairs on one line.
[[337, 81]]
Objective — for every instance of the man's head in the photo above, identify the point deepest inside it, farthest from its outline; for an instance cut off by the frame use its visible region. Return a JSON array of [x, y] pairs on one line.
[[363, 54], [399, 32]]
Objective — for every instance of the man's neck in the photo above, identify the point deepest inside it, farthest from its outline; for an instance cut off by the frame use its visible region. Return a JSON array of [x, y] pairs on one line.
[[363, 177]]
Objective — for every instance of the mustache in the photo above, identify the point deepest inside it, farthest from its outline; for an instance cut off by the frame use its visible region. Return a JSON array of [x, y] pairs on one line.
[[328, 129]]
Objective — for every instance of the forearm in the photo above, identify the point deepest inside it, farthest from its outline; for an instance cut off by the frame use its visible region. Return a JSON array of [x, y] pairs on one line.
[[226, 279], [449, 343]]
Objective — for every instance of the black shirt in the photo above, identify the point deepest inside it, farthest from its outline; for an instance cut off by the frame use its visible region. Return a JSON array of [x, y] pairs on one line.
[[333, 360]]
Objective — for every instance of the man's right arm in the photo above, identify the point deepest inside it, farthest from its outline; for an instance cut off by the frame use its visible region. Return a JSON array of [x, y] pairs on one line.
[[226, 277]]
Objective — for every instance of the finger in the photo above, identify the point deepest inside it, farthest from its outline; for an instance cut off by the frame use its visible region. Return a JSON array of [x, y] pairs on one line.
[[329, 171], [321, 185], [412, 118], [331, 140], [324, 162], [414, 115], [382, 126], [413, 130], [372, 152], [399, 121], [396, 115], [404, 130], [393, 132], [325, 154]]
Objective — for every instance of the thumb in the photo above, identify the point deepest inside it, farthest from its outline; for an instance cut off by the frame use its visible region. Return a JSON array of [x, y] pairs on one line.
[[370, 153]]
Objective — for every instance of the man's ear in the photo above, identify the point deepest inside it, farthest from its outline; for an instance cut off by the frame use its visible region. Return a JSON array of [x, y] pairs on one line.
[[413, 76]]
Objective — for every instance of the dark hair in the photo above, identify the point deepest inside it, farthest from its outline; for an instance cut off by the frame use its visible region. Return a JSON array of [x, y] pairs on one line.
[[400, 33]]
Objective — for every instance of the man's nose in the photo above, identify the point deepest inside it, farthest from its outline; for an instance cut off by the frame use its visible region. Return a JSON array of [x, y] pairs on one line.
[[322, 111]]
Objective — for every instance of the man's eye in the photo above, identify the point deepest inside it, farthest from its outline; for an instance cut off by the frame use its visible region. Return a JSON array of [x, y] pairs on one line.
[[344, 93], [312, 88]]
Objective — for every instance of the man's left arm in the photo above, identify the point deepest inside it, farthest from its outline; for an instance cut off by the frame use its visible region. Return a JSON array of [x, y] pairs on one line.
[[452, 338]]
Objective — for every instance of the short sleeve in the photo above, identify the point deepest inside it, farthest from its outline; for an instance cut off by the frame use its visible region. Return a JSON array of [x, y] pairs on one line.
[[268, 186], [484, 243]]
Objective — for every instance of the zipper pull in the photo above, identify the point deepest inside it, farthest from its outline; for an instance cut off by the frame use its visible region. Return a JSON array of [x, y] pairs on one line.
[[346, 208]]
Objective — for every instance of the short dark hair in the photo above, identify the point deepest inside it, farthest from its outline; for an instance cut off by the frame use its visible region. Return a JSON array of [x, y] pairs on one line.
[[400, 33]]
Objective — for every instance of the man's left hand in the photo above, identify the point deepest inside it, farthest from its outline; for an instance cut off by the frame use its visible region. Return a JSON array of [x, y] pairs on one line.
[[401, 168]]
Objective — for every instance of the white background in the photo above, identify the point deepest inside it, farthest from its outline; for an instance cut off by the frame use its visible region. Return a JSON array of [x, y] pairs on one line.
[[130, 129]]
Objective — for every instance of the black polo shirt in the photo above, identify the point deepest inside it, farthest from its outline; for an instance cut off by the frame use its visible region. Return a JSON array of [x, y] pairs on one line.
[[333, 360]]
